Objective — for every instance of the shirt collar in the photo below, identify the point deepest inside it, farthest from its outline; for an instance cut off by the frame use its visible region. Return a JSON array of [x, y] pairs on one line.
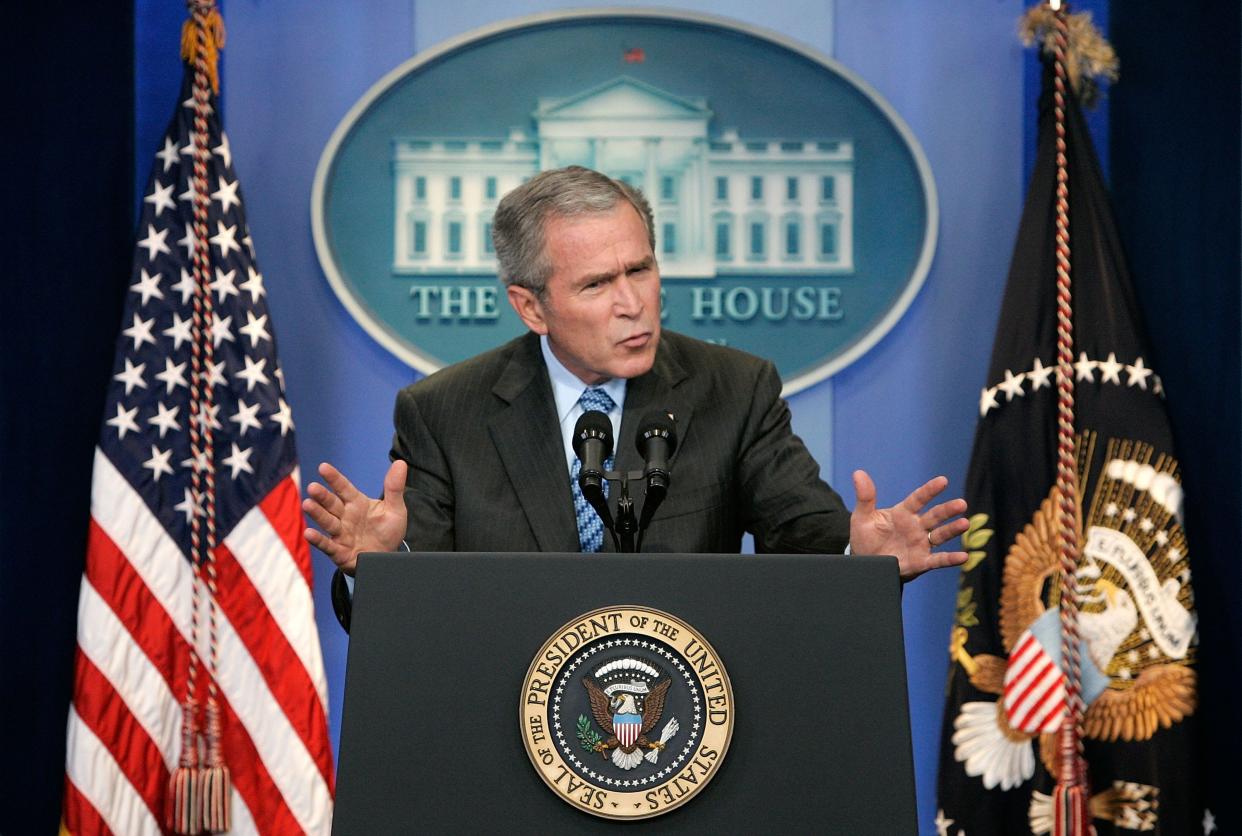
[[567, 388]]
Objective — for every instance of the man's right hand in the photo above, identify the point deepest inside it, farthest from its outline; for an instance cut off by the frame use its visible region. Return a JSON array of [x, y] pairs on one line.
[[351, 521]]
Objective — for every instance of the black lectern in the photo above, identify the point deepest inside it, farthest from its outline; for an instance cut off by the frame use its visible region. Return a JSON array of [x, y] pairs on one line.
[[441, 645]]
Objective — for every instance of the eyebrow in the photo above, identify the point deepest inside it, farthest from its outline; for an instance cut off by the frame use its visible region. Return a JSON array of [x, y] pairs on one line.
[[642, 264]]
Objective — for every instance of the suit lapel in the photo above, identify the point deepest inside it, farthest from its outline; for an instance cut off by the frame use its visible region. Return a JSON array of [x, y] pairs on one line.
[[528, 443]]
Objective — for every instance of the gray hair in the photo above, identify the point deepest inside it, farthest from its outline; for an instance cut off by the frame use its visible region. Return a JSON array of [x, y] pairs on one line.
[[520, 219]]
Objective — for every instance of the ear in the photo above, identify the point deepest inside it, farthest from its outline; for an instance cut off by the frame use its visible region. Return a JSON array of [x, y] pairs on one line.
[[527, 305]]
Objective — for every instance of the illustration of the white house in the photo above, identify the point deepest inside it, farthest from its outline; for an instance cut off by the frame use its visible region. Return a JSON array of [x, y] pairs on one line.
[[723, 204]]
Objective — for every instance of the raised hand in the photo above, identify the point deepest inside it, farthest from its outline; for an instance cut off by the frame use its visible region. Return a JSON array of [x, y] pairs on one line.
[[905, 530], [351, 521]]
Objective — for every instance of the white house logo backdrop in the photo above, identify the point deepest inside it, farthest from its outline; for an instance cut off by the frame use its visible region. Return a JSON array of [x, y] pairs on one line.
[[795, 213]]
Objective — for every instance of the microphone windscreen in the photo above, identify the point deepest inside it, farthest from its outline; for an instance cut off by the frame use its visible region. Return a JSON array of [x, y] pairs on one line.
[[593, 424], [656, 422]]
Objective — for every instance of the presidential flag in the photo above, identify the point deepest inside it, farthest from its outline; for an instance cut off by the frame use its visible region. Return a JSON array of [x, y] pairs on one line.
[[198, 671], [1000, 756]]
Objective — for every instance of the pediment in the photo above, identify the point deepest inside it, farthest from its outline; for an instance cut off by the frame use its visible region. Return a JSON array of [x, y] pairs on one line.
[[623, 97]]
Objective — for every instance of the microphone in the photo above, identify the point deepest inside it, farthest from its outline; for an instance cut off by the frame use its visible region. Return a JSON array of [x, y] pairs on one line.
[[592, 442], [656, 441]]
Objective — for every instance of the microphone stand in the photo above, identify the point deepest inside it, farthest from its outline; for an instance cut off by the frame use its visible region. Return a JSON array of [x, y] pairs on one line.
[[626, 525]]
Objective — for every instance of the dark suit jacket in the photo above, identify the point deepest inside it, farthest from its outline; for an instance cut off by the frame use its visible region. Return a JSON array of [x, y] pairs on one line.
[[487, 465]]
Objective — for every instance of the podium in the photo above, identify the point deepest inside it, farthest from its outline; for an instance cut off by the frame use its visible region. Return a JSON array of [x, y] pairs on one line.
[[441, 645]]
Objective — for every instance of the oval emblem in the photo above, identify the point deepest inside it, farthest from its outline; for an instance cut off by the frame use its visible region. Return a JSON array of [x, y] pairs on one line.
[[626, 712], [795, 213]]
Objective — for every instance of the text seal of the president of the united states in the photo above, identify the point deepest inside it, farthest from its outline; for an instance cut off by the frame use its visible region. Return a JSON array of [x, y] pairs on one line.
[[626, 712]]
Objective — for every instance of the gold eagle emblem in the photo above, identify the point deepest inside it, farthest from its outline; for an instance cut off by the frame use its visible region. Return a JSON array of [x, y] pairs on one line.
[[1148, 688]]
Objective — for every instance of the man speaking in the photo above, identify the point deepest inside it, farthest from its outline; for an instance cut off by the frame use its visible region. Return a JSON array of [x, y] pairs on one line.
[[483, 458]]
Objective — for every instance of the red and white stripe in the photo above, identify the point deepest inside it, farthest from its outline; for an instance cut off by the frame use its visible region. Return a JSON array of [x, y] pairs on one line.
[[133, 647], [1034, 688], [627, 733]]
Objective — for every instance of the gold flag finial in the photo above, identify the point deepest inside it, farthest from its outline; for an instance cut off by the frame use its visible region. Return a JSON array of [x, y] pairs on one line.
[[1090, 58], [203, 30]]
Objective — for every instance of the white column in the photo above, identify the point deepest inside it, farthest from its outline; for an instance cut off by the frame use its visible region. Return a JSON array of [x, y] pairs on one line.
[[401, 230], [651, 178], [697, 187]]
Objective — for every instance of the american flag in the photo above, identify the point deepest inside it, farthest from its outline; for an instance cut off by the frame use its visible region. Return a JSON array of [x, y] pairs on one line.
[[136, 616]]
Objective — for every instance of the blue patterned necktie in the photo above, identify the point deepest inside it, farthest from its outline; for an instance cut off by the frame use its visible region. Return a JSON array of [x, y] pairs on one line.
[[590, 526]]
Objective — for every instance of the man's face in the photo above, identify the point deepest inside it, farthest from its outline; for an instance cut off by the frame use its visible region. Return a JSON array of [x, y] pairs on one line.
[[601, 306]]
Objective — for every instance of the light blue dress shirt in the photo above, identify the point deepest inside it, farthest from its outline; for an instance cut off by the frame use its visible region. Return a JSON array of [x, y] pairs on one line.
[[566, 389]]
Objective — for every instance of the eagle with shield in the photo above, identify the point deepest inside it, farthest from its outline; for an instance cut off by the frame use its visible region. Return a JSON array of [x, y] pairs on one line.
[[627, 700]]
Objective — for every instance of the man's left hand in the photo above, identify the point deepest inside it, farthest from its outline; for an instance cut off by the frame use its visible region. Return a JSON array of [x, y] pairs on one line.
[[906, 530]]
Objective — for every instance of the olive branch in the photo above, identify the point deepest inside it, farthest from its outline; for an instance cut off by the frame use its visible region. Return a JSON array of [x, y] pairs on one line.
[[975, 538], [587, 736]]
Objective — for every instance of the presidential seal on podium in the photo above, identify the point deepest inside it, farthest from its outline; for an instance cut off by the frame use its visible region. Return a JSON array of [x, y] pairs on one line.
[[626, 712]]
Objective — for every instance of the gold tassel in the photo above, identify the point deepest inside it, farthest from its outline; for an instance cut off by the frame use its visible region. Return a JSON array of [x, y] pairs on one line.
[[217, 791], [217, 787], [1069, 808], [184, 808], [183, 791], [212, 44]]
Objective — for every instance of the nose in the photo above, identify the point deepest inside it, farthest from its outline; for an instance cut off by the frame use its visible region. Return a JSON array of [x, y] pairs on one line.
[[626, 300]]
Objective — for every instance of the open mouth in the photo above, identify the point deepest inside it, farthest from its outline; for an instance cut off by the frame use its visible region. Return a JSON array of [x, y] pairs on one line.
[[638, 340]]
